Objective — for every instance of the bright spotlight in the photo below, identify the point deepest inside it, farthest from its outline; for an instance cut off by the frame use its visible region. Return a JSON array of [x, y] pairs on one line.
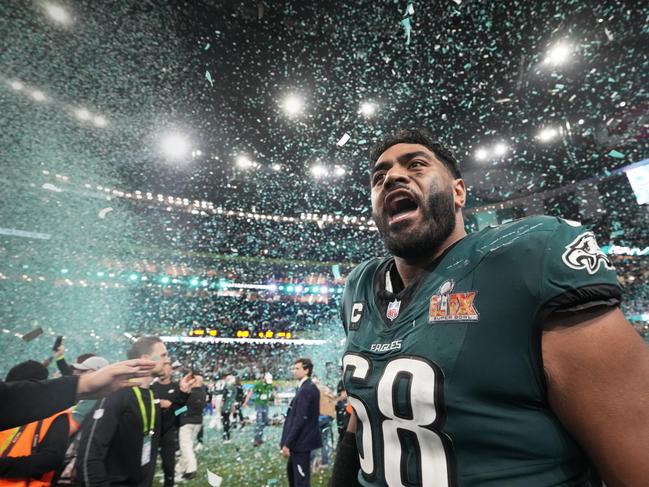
[[244, 162], [175, 146], [292, 105], [82, 114], [57, 13], [37, 95], [558, 54], [339, 171], [367, 108], [276, 167], [481, 154], [500, 149], [16, 85], [547, 134], [319, 170], [99, 121]]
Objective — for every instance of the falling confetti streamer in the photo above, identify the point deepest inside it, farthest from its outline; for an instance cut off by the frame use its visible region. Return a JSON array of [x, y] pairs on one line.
[[103, 212], [208, 77], [343, 140]]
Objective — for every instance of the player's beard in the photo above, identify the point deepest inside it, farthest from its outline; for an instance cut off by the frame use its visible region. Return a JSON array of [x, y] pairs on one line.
[[438, 217]]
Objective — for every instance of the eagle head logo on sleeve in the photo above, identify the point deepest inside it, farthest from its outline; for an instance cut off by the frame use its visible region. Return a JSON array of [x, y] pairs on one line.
[[584, 253]]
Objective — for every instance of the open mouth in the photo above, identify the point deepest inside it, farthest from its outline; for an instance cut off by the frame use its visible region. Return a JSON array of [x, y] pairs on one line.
[[400, 206]]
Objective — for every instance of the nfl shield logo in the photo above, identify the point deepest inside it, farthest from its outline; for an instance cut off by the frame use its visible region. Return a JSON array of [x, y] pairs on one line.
[[393, 309]]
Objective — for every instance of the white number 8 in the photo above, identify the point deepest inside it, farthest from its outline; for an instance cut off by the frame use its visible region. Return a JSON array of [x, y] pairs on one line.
[[423, 419]]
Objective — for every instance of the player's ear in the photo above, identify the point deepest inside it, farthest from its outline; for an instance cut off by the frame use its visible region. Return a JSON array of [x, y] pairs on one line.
[[459, 193]]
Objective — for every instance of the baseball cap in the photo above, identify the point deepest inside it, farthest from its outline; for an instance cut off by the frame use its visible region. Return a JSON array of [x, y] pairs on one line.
[[92, 363]]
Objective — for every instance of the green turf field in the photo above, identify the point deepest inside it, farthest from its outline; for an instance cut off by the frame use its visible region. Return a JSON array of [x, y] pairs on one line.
[[239, 463]]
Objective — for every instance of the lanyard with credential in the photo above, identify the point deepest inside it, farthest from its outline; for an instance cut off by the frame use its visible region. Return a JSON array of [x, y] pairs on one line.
[[145, 422]]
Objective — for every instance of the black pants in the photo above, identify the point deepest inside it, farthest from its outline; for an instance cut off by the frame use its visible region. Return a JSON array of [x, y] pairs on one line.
[[225, 419], [168, 452], [298, 469]]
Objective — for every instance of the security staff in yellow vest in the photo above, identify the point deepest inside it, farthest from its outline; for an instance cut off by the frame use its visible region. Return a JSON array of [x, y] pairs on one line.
[[30, 454]]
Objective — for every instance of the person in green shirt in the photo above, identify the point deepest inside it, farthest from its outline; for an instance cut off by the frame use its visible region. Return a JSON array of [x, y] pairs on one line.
[[262, 393]]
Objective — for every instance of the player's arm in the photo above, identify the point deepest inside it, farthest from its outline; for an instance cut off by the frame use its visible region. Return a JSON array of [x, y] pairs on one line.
[[597, 369], [347, 462]]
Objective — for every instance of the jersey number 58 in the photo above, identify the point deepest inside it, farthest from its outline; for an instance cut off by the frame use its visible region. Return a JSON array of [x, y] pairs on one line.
[[417, 424]]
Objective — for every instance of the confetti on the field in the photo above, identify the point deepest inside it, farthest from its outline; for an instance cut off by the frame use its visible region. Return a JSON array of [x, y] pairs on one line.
[[213, 479], [616, 154], [208, 77]]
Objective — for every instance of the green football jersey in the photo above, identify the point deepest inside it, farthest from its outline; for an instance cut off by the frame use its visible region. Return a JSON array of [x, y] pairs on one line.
[[263, 393], [449, 387]]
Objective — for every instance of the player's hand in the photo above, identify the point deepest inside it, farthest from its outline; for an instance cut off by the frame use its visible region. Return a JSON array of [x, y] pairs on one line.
[[286, 452], [113, 377], [187, 383], [165, 403]]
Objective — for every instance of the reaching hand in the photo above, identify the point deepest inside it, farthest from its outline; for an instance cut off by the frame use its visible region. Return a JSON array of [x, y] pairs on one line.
[[187, 383], [286, 452], [113, 377], [165, 403]]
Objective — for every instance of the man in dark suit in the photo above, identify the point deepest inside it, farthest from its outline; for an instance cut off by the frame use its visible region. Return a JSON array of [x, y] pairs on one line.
[[301, 432]]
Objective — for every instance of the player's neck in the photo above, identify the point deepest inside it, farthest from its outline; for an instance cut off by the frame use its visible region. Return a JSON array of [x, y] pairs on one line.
[[411, 270]]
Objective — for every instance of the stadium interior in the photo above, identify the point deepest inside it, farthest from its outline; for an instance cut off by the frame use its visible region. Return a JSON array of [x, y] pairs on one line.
[[198, 170]]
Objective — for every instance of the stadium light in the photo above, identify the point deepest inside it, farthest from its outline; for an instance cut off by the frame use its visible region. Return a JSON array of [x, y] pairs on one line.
[[319, 170], [82, 114], [99, 121], [547, 134], [481, 154], [367, 108], [16, 85], [37, 95], [244, 162], [292, 105], [276, 167], [500, 149], [558, 54], [339, 171], [175, 146], [57, 13]]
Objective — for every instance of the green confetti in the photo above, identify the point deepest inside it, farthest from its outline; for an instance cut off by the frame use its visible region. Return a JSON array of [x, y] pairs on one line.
[[208, 77], [207, 46], [616, 154]]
